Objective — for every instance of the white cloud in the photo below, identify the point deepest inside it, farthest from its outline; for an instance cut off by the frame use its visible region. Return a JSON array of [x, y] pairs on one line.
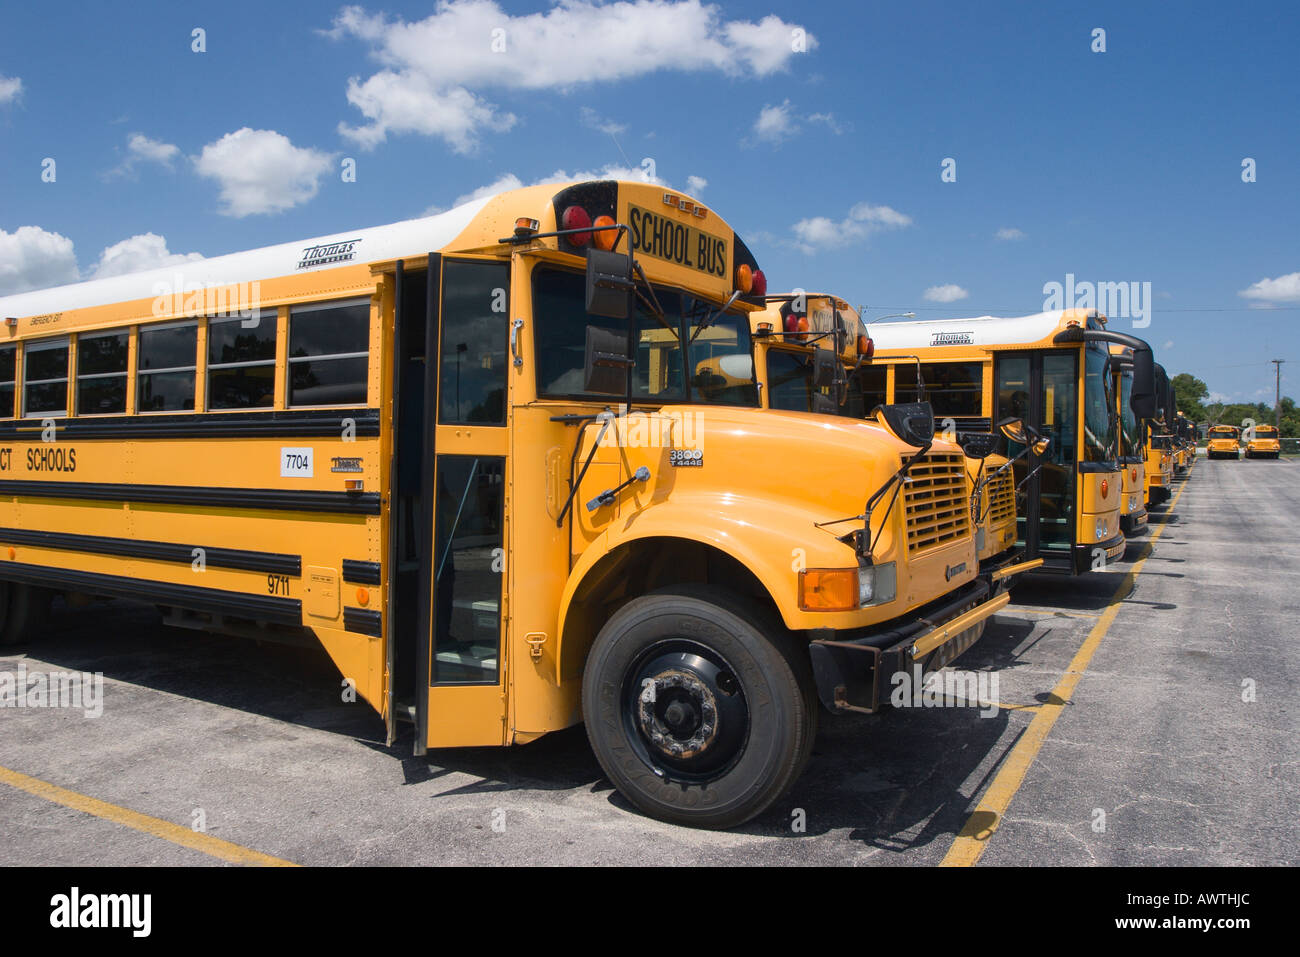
[[11, 88], [1282, 289], [1168, 345], [1009, 232], [508, 181], [141, 149], [1218, 397], [695, 185], [949, 292], [433, 71], [595, 121], [136, 254], [829, 119], [863, 220], [261, 171], [776, 124], [31, 258], [499, 185]]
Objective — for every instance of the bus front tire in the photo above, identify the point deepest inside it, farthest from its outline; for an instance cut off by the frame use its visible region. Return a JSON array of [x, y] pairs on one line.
[[695, 710]]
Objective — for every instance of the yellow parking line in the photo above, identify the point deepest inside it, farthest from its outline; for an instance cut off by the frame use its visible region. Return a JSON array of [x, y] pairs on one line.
[[153, 826], [974, 836]]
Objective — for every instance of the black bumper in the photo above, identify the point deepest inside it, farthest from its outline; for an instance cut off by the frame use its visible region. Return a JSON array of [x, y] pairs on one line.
[[854, 671], [1134, 524]]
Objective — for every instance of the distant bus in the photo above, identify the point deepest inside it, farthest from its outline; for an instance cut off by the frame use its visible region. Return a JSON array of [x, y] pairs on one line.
[[788, 336], [1265, 444], [1132, 445], [1053, 371], [1224, 442]]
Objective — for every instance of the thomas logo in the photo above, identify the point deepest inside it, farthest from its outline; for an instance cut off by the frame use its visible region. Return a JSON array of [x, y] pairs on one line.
[[329, 253], [952, 339]]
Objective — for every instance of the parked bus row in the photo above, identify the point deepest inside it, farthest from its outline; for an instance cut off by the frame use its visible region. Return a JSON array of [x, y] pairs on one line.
[[556, 456]]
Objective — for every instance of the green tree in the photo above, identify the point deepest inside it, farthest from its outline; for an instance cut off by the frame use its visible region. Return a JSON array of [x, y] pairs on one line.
[[1190, 392]]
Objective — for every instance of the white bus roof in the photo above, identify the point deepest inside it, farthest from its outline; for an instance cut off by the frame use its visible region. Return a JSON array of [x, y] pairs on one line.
[[413, 237], [976, 331]]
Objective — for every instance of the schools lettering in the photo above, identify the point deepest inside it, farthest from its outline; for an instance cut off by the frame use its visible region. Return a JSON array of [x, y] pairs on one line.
[[52, 460]]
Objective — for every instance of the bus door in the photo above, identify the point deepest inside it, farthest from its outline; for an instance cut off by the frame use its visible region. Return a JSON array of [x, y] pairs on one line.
[[451, 452], [1042, 388]]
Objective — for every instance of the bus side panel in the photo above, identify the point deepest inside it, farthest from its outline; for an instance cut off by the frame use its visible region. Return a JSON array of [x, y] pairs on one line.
[[216, 542]]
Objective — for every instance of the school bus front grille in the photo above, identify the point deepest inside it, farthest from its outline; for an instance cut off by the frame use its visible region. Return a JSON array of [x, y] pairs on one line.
[[1002, 499], [935, 501]]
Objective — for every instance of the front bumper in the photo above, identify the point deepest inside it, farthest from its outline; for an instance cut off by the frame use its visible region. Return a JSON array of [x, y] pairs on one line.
[[854, 672], [1085, 557], [1134, 523]]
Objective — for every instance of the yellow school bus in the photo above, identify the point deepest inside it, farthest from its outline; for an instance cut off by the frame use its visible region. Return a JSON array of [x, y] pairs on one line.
[[1185, 448], [475, 456], [1132, 444], [1160, 443], [1264, 444], [1224, 442], [790, 335], [1053, 371]]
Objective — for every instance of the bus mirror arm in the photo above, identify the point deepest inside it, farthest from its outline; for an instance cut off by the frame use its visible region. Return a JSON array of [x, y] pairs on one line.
[[605, 418], [608, 496]]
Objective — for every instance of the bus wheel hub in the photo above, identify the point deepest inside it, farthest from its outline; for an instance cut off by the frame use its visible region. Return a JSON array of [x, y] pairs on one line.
[[678, 713]]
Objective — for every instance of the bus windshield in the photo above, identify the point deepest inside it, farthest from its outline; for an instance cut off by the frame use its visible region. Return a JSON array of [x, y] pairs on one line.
[[1223, 432], [718, 355], [1130, 429], [1098, 401], [1265, 432]]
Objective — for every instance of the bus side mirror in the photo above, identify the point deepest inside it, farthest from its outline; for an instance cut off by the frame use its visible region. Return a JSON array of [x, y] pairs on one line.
[[1143, 396], [1018, 431], [608, 283], [607, 362], [911, 422], [977, 445], [825, 368]]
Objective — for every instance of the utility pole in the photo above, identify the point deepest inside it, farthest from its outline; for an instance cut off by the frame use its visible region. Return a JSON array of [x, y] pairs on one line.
[[1277, 399]]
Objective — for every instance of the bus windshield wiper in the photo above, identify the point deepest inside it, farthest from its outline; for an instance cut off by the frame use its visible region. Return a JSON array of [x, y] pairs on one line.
[[713, 317], [652, 304]]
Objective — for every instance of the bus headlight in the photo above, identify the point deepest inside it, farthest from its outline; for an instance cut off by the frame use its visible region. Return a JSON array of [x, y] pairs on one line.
[[877, 584], [1101, 529]]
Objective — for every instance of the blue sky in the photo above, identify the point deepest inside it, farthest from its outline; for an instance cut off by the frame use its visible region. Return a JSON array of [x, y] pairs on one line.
[[1115, 166]]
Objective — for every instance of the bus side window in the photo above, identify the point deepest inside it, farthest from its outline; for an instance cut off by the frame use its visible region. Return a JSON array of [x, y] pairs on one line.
[[8, 380], [329, 353], [872, 388], [475, 319], [166, 360], [101, 373], [45, 379]]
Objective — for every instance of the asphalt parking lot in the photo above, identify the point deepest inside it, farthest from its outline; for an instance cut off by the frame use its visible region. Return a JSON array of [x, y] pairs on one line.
[[1147, 716]]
